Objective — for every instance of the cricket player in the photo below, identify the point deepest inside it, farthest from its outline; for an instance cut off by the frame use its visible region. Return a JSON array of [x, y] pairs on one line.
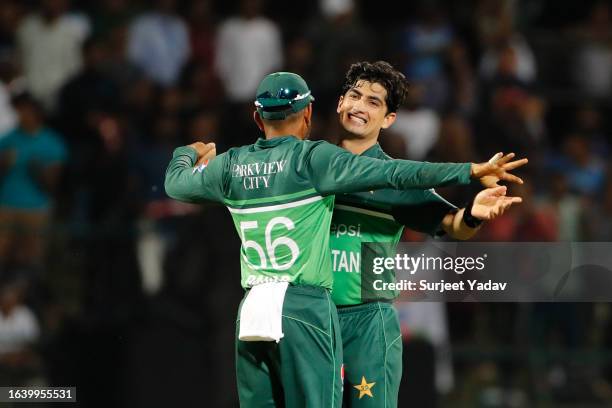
[[280, 193], [372, 344]]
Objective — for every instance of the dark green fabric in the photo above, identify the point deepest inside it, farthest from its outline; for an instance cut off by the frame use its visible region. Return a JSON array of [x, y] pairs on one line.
[[420, 210], [377, 216], [372, 347], [304, 368], [298, 166]]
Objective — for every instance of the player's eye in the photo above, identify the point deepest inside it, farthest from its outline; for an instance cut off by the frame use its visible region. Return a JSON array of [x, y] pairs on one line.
[[354, 96]]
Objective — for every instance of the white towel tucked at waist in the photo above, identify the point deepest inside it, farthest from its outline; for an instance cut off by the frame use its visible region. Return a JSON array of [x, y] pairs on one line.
[[261, 315]]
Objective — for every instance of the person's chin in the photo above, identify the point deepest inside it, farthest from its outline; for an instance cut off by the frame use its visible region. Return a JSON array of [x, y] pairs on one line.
[[355, 130]]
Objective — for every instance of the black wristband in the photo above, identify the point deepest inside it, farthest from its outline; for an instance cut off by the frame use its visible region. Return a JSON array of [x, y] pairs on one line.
[[468, 218]]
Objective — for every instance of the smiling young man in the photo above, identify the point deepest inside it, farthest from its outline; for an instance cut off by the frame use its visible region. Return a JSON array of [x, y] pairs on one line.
[[370, 329]]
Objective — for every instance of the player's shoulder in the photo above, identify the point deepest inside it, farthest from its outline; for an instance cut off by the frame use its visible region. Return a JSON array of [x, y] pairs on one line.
[[376, 152], [379, 153], [234, 153], [320, 149], [319, 144], [311, 144]]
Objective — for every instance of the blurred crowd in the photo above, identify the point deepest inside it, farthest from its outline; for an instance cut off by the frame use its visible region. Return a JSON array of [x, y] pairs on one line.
[[106, 282]]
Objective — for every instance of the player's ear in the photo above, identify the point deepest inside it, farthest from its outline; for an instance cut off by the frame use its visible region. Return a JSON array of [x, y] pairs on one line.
[[340, 103], [308, 115], [389, 119], [258, 120]]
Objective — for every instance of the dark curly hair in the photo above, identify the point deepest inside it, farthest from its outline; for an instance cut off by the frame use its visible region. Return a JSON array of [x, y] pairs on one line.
[[394, 82]]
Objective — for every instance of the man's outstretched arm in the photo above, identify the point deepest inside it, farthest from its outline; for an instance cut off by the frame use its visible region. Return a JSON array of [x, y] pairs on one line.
[[334, 170]]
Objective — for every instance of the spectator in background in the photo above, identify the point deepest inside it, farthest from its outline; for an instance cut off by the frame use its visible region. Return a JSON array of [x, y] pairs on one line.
[[455, 143], [505, 74], [158, 223], [203, 127], [340, 38], [464, 96], [109, 15], [49, 43], [487, 18], [515, 115], [493, 58], [19, 331], [333, 8], [31, 159], [106, 175], [593, 69], [118, 66], [418, 125], [201, 84], [531, 222], [201, 87], [248, 47], [428, 321], [589, 121], [495, 26], [8, 80], [584, 171], [171, 102], [139, 104], [10, 14], [566, 206], [598, 217], [423, 45], [202, 33], [87, 94], [300, 56], [159, 43], [456, 140], [83, 102]]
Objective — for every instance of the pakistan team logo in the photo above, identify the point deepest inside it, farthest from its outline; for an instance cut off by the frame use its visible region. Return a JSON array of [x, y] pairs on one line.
[[365, 388]]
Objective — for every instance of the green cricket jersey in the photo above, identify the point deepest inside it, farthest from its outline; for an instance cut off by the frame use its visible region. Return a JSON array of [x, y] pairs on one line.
[[280, 193], [376, 216]]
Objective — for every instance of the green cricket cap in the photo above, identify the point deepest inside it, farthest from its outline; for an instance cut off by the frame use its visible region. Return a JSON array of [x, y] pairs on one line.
[[280, 94]]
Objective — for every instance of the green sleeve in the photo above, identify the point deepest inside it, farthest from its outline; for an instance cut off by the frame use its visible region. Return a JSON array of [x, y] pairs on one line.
[[186, 183], [422, 211], [334, 170]]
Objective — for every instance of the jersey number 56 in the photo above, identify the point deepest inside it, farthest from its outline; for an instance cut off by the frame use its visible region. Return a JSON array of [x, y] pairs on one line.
[[271, 246]]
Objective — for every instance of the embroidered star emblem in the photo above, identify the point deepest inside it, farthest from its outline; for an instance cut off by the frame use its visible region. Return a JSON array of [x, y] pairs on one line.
[[365, 388]]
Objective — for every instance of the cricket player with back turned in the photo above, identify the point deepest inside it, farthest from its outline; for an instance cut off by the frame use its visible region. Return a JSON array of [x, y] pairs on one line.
[[280, 193]]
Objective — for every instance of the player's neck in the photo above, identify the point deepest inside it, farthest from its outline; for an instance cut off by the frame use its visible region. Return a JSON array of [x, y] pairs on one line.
[[281, 131], [358, 146]]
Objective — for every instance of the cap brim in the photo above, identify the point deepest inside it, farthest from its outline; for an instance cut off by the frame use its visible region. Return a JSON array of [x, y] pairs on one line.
[[276, 113]]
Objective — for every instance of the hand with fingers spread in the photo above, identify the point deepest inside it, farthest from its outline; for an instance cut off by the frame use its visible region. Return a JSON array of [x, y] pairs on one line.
[[496, 169], [492, 202], [206, 152]]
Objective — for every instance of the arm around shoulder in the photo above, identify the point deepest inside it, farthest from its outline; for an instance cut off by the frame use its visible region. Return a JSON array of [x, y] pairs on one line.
[[335, 170]]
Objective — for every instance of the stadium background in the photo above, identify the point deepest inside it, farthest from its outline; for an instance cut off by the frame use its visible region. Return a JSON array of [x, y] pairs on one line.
[[134, 298]]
